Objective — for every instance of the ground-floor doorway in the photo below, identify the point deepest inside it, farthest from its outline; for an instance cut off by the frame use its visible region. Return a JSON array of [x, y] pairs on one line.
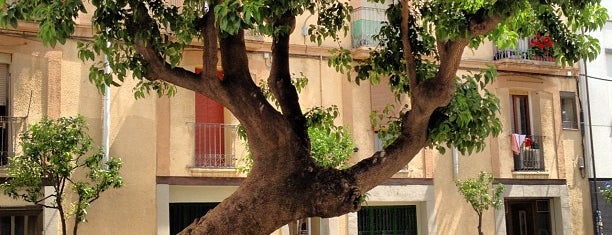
[[528, 216]]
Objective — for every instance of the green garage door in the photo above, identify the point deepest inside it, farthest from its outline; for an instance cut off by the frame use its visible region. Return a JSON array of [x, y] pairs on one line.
[[387, 220]]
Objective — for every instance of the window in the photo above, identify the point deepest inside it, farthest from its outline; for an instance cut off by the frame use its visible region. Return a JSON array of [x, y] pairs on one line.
[[5, 120], [387, 220], [300, 227], [21, 220], [367, 20], [520, 115], [568, 110], [378, 143]]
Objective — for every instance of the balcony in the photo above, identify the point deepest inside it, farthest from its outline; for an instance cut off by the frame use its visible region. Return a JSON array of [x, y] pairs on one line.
[[10, 127], [528, 152], [366, 22], [525, 50], [215, 145]]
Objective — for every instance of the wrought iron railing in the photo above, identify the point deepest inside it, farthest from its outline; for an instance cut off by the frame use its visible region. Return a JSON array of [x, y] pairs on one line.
[[528, 152], [215, 145], [10, 127], [366, 22], [520, 52]]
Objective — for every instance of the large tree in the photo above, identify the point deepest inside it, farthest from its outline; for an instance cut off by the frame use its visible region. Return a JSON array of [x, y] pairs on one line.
[[420, 51]]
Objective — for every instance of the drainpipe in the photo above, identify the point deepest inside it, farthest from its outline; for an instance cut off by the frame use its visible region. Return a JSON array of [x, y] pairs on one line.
[[106, 115], [455, 163], [320, 79]]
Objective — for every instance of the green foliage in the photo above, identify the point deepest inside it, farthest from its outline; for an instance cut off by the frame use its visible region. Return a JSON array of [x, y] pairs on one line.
[[168, 29], [606, 192], [118, 28], [470, 117], [464, 124], [60, 153], [476, 191], [333, 17], [331, 145], [386, 125]]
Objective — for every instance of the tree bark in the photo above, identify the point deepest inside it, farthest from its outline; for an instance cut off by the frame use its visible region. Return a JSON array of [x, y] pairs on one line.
[[60, 210], [285, 184], [480, 224]]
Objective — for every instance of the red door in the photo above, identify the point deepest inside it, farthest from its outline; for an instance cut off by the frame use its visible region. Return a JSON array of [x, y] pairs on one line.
[[209, 131]]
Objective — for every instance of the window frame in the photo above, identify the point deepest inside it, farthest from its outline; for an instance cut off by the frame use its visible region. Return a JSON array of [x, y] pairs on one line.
[[570, 98], [521, 112], [32, 219]]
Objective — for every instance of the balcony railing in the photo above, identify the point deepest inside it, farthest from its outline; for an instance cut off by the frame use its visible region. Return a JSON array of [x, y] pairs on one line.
[[215, 145], [528, 152], [10, 127], [520, 52], [366, 23]]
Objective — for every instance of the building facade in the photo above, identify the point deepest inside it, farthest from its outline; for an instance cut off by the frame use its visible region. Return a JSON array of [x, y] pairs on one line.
[[596, 100], [181, 154]]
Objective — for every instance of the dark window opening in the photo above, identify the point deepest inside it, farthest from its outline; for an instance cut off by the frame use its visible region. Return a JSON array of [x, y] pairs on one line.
[[21, 220], [520, 115], [183, 214]]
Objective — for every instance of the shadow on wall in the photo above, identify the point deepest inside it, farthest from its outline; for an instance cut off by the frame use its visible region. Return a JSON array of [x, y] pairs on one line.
[[450, 214]]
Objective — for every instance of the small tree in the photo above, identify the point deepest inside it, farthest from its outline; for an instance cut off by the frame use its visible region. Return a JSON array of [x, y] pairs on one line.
[[477, 193], [58, 153], [606, 192]]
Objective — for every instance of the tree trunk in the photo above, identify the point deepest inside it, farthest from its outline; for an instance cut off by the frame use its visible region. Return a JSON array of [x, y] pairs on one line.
[[60, 210], [480, 224], [264, 204], [76, 224]]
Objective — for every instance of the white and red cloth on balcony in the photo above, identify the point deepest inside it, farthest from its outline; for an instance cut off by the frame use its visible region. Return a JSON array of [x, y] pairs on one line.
[[517, 141]]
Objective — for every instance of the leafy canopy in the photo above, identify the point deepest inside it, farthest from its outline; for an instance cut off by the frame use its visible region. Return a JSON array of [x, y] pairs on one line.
[[477, 192], [471, 115], [170, 29]]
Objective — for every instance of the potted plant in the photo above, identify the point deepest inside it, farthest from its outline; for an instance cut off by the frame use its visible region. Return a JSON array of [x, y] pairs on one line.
[[540, 48]]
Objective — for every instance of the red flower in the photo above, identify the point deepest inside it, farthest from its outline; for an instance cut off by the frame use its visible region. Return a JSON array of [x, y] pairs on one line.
[[541, 46]]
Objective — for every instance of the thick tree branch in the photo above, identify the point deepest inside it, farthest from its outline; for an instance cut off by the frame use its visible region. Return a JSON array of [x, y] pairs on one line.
[[158, 68], [264, 125], [236, 91], [426, 98], [280, 78], [407, 16], [209, 56]]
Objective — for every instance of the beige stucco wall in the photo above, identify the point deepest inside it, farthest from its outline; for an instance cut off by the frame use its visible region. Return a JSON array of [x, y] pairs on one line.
[[132, 138], [59, 86]]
